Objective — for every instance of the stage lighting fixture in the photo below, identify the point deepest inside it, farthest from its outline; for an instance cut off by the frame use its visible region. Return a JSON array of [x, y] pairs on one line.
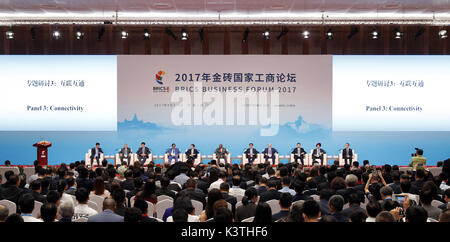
[[398, 34], [202, 35], [266, 34], [184, 35], [443, 33], [124, 34], [79, 34], [33, 34], [146, 34], [170, 32], [353, 32], [244, 39], [306, 34], [10, 34], [329, 34], [56, 34], [374, 34], [100, 33], [419, 33], [283, 32]]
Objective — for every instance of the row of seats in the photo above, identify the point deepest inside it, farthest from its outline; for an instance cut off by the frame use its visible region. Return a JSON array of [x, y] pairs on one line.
[[260, 158]]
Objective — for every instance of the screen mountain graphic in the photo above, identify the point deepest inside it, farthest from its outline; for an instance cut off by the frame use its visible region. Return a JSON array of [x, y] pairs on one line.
[[135, 123]]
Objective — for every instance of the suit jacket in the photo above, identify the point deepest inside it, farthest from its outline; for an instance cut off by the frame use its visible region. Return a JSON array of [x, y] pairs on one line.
[[146, 151], [247, 211], [122, 151], [324, 209], [176, 151], [38, 197], [314, 153], [100, 151], [221, 154], [188, 154], [270, 195], [350, 190], [195, 194], [351, 209], [266, 151], [281, 214], [247, 152], [127, 184], [105, 216], [12, 193], [446, 166], [295, 151], [231, 199], [165, 191], [344, 153]]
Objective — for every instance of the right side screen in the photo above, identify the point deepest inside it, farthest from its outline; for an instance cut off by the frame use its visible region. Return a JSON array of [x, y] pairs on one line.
[[391, 93]]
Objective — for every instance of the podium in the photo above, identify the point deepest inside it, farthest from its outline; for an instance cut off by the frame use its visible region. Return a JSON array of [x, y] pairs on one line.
[[42, 152]]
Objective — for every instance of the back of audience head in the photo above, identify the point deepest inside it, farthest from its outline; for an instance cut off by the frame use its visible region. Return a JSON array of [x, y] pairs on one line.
[[384, 217], [251, 194], [48, 212], [336, 203], [416, 214], [263, 213]]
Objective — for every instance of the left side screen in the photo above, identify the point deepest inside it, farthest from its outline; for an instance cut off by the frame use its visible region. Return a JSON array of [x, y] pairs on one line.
[[58, 93]]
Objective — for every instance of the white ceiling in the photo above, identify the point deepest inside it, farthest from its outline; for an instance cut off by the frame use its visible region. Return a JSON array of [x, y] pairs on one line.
[[246, 6], [167, 9]]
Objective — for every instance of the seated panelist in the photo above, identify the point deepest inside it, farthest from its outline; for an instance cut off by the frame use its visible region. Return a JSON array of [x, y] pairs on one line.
[[269, 153], [221, 153], [143, 153], [125, 153], [317, 154], [251, 153], [299, 154], [173, 153], [191, 154], [95, 154], [347, 154]]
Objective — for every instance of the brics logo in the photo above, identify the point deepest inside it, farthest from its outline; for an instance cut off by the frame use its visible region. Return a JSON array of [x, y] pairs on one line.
[[159, 77]]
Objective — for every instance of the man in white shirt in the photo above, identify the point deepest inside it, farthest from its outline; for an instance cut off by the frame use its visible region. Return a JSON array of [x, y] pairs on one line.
[[26, 206], [285, 183], [236, 190], [216, 184], [82, 210]]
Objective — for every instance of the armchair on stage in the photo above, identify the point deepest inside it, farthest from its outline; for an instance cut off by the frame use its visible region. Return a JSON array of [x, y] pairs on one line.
[[306, 161], [184, 158], [342, 161], [87, 158], [146, 162], [311, 159], [227, 159], [260, 159]]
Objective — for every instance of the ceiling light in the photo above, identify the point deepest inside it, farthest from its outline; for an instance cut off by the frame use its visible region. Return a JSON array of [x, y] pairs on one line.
[[184, 35], [306, 34], [124, 34], [443, 34], [56, 34], [374, 34], [9, 34], [329, 34], [79, 34], [266, 34], [146, 34]]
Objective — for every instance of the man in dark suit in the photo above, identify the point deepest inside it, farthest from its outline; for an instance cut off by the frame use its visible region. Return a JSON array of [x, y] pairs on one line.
[[128, 183], [125, 153], [191, 154], [416, 186], [165, 181], [193, 192], [11, 190], [318, 153], [271, 193], [285, 206], [251, 153], [351, 181], [335, 204], [35, 187], [299, 153], [95, 154], [224, 189], [446, 167], [143, 153], [347, 154], [354, 205], [269, 153]]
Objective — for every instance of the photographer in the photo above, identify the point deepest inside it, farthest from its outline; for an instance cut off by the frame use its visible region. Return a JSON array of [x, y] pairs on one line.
[[417, 159]]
